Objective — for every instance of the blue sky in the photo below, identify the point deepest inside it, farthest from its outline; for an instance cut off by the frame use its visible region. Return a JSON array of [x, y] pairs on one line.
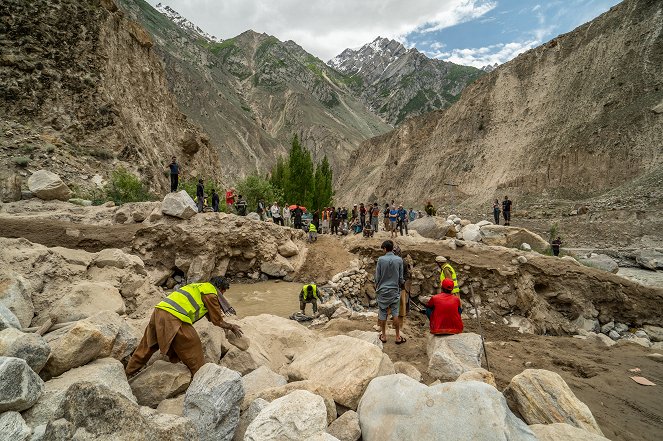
[[474, 32]]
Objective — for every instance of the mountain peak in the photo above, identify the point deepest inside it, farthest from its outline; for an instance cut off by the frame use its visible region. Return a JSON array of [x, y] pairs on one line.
[[383, 49], [184, 23]]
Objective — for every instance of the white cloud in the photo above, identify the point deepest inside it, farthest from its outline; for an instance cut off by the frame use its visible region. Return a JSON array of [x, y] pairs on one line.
[[483, 56], [327, 27]]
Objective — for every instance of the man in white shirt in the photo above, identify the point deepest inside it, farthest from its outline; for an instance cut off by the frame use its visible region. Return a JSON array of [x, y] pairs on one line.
[[286, 215], [276, 213]]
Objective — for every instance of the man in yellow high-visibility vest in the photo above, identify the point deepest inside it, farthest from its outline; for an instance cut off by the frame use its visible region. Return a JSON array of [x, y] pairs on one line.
[[309, 294], [447, 272], [171, 330]]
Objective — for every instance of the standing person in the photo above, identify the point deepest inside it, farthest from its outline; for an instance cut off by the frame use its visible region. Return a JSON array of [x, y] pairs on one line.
[[174, 168], [215, 201], [388, 282], [556, 244], [429, 209], [447, 272], [393, 220], [362, 214], [231, 196], [260, 209], [335, 220], [496, 211], [444, 310], [354, 213], [412, 215], [240, 206], [316, 220], [286, 215], [276, 213], [297, 215], [309, 294], [325, 221], [375, 214], [405, 288], [200, 195], [385, 217], [506, 210], [401, 220], [171, 330]]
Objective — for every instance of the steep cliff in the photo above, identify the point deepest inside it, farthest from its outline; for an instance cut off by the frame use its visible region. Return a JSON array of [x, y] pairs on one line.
[[84, 93], [575, 118]]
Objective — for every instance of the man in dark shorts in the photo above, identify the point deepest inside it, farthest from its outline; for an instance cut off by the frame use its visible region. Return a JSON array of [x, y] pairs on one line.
[[388, 282], [506, 210]]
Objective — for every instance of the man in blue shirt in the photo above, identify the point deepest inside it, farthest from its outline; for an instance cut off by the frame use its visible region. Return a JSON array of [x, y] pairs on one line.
[[388, 282], [393, 220], [402, 220]]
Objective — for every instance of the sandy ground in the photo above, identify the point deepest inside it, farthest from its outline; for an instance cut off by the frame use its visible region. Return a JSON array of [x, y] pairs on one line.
[[325, 258], [598, 376]]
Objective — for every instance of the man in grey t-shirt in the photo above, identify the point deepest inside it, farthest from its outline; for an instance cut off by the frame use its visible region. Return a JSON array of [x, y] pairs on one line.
[[388, 282]]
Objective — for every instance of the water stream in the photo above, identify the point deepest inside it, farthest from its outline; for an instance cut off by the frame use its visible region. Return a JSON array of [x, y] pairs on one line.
[[270, 297]]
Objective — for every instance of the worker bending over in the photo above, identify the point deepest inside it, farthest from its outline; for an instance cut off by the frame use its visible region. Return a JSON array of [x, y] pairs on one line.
[[447, 272], [444, 310], [171, 330], [309, 294]]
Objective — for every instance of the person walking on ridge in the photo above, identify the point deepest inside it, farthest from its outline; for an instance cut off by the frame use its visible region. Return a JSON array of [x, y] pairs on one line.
[[174, 168], [506, 210], [556, 244], [496, 211], [447, 272], [171, 330], [388, 282]]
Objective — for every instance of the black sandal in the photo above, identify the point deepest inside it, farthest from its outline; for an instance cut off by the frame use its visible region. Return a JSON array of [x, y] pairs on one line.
[[401, 341]]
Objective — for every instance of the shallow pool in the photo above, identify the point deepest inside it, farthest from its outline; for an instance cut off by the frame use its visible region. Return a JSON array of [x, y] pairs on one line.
[[270, 297]]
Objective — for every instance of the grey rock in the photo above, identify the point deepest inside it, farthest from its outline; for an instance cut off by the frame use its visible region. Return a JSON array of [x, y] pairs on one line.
[[253, 216], [602, 262], [13, 428], [346, 427], [655, 333], [649, 259], [159, 381], [525, 246], [261, 379], [296, 416], [179, 204], [614, 335], [15, 295], [601, 339], [212, 402], [451, 355], [248, 416], [461, 411], [608, 327], [48, 186], [521, 259], [403, 367], [172, 406], [30, 347], [591, 325], [8, 319], [621, 327], [642, 334], [106, 372], [20, 387]]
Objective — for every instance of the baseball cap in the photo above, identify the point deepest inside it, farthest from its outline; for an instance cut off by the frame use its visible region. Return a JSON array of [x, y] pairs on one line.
[[447, 285]]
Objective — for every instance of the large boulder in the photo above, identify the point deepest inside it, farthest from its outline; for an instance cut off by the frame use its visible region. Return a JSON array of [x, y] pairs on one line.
[[179, 204], [311, 386], [655, 333], [20, 387], [214, 341], [649, 259], [451, 355], [48, 186], [159, 381], [433, 227], [512, 237], [8, 319], [30, 347], [563, 432], [84, 299], [271, 338], [278, 267], [13, 428], [346, 427], [600, 261], [261, 379], [172, 406], [116, 258], [104, 334], [106, 372], [344, 364], [471, 232], [15, 295], [543, 397], [396, 407], [296, 416], [212, 402], [248, 416], [403, 367], [104, 414]]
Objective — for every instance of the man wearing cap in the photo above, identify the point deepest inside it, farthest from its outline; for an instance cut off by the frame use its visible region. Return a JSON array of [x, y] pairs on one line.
[[171, 330], [309, 294], [447, 272], [444, 310], [388, 282]]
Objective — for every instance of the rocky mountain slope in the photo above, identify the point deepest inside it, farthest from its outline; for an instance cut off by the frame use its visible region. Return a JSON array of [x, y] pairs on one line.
[[252, 93], [83, 93], [578, 117], [185, 24], [399, 83]]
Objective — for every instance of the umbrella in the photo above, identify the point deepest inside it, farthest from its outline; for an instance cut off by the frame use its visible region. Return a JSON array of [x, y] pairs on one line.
[[292, 207]]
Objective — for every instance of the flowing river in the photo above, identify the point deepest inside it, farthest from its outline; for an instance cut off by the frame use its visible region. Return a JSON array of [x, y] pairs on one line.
[[270, 297]]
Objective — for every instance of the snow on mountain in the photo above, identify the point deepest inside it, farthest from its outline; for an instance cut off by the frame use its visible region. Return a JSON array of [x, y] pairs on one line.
[[184, 23]]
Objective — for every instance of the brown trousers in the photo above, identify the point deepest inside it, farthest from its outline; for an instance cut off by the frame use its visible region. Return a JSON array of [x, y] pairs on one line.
[[177, 340]]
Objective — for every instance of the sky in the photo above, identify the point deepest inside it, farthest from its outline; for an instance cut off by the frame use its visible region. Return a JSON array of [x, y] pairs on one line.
[[469, 32]]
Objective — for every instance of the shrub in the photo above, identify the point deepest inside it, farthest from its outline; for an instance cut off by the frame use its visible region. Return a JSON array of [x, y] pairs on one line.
[[21, 161], [125, 187], [101, 154], [254, 187]]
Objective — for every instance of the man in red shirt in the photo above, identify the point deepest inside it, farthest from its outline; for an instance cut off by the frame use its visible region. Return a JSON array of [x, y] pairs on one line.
[[231, 194], [444, 311]]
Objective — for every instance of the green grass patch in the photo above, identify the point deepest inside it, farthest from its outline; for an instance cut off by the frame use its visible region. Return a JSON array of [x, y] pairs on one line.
[[125, 187], [21, 161]]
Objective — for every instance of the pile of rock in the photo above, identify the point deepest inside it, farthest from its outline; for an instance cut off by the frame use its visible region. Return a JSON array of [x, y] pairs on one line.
[[612, 333], [351, 287]]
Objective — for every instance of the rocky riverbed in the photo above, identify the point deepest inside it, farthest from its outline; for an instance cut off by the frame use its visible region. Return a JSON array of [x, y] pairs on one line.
[[78, 284]]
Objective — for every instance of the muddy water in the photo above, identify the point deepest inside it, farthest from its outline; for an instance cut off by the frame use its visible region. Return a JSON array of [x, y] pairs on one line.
[[271, 297]]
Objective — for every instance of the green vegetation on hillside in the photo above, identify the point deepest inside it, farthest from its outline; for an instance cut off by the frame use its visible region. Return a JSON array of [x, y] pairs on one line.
[[125, 187]]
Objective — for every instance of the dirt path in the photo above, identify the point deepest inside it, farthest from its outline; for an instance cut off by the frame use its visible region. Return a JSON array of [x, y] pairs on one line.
[[597, 375], [325, 258]]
